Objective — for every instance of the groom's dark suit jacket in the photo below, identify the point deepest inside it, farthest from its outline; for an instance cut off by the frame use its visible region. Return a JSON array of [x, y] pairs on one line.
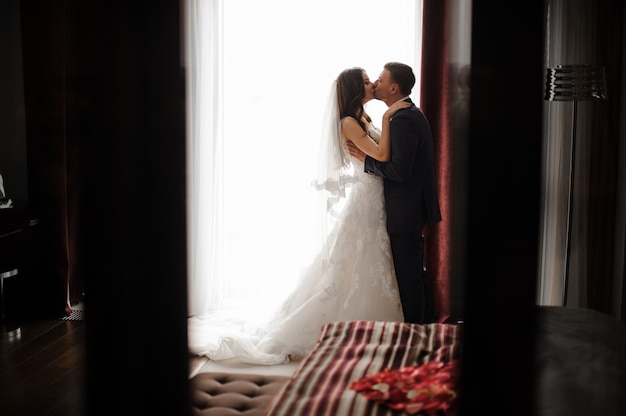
[[411, 197]]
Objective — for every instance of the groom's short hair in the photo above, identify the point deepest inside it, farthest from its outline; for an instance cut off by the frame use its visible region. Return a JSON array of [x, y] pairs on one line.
[[401, 74]]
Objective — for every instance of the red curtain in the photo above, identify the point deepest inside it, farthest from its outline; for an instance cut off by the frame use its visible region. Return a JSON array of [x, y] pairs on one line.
[[446, 113]]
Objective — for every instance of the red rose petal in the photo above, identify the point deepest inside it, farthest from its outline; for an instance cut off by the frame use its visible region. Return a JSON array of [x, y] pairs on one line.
[[427, 388]]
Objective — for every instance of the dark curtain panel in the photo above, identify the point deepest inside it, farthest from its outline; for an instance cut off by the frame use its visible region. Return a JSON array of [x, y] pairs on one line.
[[603, 170], [51, 154]]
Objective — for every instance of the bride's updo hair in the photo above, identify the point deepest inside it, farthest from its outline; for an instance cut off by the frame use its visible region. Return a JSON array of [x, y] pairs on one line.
[[350, 94]]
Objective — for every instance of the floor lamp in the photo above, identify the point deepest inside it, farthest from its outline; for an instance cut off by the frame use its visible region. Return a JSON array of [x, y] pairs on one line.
[[573, 83]]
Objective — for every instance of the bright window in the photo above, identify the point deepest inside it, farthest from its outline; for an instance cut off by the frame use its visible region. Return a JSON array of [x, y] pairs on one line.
[[279, 60]]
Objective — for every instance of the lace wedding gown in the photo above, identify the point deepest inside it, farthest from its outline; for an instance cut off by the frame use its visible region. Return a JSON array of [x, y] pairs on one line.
[[352, 280]]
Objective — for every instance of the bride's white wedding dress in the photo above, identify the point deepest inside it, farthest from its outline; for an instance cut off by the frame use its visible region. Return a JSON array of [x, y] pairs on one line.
[[352, 279]]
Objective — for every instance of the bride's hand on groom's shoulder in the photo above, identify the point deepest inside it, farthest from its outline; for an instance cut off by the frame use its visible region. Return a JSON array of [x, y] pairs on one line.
[[395, 107]]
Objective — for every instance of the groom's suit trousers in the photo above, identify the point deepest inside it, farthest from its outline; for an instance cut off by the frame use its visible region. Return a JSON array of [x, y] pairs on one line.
[[415, 289]]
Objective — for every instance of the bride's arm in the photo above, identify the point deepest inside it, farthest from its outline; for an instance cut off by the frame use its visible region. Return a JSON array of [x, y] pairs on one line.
[[354, 133], [385, 140]]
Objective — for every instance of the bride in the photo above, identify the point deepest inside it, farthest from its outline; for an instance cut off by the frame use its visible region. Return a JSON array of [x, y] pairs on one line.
[[352, 275]]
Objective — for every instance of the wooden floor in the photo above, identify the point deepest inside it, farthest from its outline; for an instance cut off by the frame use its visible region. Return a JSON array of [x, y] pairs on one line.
[[42, 368]]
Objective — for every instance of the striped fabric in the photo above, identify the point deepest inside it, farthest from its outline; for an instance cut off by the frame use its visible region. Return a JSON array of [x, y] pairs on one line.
[[347, 351]]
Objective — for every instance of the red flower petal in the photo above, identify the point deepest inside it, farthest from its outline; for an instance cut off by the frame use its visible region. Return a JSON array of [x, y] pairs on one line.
[[427, 388]]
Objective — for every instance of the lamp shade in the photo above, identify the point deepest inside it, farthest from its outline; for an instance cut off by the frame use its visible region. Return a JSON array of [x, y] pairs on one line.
[[575, 83]]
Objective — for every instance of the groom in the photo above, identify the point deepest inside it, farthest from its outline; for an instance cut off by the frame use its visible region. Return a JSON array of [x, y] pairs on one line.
[[410, 190]]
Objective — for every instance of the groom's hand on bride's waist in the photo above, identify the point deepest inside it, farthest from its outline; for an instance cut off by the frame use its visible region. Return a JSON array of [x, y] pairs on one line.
[[355, 151]]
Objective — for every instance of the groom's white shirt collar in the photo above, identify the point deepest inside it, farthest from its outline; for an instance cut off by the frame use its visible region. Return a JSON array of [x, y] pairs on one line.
[[402, 99]]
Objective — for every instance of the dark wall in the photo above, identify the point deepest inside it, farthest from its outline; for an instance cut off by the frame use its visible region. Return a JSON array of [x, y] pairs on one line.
[[116, 68], [127, 60], [504, 154]]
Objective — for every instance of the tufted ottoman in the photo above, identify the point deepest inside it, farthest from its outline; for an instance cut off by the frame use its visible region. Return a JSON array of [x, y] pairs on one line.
[[224, 394]]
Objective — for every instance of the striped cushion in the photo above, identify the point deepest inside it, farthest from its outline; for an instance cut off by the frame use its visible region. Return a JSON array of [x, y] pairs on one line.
[[347, 351]]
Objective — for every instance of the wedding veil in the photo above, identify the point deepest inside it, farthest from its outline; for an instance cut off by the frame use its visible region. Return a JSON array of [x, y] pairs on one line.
[[335, 172]]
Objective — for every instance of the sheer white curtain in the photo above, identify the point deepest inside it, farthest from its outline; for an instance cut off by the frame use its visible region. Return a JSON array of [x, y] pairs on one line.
[[258, 73], [205, 154]]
